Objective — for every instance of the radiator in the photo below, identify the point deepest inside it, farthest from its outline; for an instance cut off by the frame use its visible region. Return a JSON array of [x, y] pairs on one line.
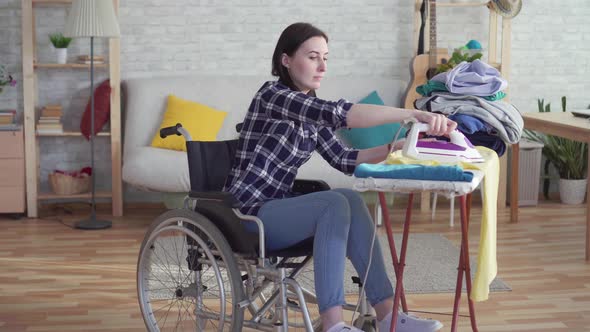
[[529, 171]]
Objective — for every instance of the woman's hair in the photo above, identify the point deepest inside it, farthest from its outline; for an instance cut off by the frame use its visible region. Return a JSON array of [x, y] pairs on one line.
[[290, 40]]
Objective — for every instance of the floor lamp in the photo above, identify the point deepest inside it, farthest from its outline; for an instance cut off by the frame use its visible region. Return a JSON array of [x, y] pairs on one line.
[[92, 18]]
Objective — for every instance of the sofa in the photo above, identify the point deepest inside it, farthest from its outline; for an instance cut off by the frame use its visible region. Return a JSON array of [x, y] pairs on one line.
[[162, 170]]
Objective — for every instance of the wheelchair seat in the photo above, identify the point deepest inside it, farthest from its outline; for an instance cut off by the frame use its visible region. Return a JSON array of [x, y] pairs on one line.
[[242, 241]]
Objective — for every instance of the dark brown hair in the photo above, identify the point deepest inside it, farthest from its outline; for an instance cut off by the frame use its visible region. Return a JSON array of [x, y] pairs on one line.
[[290, 40]]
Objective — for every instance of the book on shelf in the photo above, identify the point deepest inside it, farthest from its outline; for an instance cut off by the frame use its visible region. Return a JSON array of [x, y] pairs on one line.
[[7, 116], [49, 113], [53, 107], [50, 128], [48, 121], [88, 57], [49, 125], [8, 121]]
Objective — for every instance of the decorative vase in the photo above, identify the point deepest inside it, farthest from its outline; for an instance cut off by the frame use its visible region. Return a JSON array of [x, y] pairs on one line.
[[62, 55], [572, 191]]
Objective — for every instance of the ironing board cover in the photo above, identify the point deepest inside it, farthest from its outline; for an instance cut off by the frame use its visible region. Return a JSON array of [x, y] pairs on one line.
[[447, 188]]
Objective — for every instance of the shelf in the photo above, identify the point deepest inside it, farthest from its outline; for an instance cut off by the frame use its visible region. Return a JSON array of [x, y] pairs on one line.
[[68, 65], [72, 134], [98, 194], [52, 2], [459, 4]]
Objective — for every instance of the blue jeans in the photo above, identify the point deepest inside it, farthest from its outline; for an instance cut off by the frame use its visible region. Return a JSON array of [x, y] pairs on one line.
[[342, 227]]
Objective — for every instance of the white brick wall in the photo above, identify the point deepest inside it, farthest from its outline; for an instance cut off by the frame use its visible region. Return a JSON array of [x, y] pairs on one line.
[[550, 48]]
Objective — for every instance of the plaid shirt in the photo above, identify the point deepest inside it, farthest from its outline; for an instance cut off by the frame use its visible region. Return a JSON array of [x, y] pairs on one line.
[[280, 132]]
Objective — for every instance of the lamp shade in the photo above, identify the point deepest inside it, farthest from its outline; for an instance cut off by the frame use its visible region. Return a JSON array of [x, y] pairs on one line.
[[92, 18]]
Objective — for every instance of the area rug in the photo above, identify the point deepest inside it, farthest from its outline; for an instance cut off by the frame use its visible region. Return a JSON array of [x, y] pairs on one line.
[[431, 266]]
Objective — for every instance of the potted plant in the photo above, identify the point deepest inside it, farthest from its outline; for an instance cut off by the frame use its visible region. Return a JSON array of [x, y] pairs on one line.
[[5, 78], [569, 157], [60, 43]]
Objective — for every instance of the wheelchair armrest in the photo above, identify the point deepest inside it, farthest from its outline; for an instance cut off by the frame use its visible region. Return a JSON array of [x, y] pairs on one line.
[[301, 186], [220, 196]]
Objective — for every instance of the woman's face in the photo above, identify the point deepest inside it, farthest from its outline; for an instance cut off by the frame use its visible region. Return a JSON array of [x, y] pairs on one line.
[[308, 65]]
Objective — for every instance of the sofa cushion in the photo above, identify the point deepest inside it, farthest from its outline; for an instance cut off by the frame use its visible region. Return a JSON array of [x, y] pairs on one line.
[[364, 138], [102, 109], [157, 169], [201, 121]]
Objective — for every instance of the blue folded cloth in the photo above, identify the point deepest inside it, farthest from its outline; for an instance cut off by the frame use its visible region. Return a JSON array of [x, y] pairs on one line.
[[413, 172]]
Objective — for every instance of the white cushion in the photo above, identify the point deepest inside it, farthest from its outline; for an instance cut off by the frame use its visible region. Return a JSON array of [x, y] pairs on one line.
[[157, 169]]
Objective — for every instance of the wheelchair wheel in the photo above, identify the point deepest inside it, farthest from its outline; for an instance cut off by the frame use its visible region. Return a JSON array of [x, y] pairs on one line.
[[305, 279], [187, 277]]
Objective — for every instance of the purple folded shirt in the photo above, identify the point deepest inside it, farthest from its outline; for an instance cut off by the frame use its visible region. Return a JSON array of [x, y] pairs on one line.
[[475, 78]]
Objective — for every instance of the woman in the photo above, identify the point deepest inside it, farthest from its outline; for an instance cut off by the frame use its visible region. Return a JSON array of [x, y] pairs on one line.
[[285, 123]]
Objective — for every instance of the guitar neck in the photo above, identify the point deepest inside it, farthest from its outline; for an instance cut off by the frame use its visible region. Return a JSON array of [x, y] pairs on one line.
[[432, 37]]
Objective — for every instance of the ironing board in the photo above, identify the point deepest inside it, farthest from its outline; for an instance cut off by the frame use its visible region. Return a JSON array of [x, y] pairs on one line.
[[449, 189]]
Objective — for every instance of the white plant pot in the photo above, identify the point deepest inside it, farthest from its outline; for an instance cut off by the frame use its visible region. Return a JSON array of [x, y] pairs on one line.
[[62, 55], [572, 191]]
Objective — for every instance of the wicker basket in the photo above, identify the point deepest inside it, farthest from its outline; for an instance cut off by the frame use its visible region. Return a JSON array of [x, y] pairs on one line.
[[63, 184]]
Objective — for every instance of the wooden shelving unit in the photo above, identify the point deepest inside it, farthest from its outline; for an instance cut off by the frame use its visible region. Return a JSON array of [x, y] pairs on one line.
[[30, 65]]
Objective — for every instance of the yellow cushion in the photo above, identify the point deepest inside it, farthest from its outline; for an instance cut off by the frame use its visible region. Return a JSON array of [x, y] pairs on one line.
[[201, 121]]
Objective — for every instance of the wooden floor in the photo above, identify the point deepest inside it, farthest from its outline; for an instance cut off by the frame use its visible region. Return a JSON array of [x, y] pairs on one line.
[[54, 278]]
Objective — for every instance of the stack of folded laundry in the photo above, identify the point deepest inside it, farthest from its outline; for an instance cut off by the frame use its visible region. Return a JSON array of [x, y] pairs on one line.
[[471, 94]]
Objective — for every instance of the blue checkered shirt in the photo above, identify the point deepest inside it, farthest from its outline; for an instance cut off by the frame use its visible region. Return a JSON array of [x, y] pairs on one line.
[[280, 132]]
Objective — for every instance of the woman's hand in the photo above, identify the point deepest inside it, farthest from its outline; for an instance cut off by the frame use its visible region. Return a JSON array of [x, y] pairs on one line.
[[439, 124]]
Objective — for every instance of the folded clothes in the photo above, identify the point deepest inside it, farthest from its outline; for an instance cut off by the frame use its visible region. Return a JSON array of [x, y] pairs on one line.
[[493, 142], [469, 124], [413, 172], [504, 118], [475, 78], [434, 86]]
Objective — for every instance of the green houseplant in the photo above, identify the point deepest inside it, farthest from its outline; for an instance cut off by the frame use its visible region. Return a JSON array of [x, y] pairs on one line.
[[60, 43], [456, 59], [5, 78], [569, 157]]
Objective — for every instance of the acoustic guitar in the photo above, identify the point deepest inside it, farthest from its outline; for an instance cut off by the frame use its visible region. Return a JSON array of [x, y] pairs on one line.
[[423, 66]]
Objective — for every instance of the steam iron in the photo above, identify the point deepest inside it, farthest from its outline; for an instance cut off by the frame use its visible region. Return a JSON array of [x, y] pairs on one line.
[[458, 149]]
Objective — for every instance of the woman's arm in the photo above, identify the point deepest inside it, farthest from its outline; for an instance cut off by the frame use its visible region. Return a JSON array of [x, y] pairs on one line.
[[366, 115], [363, 115], [378, 153], [281, 103], [372, 155]]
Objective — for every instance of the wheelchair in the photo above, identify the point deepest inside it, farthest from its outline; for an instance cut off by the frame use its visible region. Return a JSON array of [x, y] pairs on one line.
[[200, 270]]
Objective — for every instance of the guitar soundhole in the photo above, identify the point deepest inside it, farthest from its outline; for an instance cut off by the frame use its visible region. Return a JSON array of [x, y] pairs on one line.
[[430, 73]]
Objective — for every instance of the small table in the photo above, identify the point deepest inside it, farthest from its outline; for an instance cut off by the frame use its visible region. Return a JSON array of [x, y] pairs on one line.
[[557, 124], [448, 188]]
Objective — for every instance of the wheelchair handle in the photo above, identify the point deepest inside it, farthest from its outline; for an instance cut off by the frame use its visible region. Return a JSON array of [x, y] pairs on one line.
[[175, 130]]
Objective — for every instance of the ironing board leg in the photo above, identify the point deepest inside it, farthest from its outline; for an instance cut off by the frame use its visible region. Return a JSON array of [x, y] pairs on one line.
[[398, 266], [464, 267], [388, 229]]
